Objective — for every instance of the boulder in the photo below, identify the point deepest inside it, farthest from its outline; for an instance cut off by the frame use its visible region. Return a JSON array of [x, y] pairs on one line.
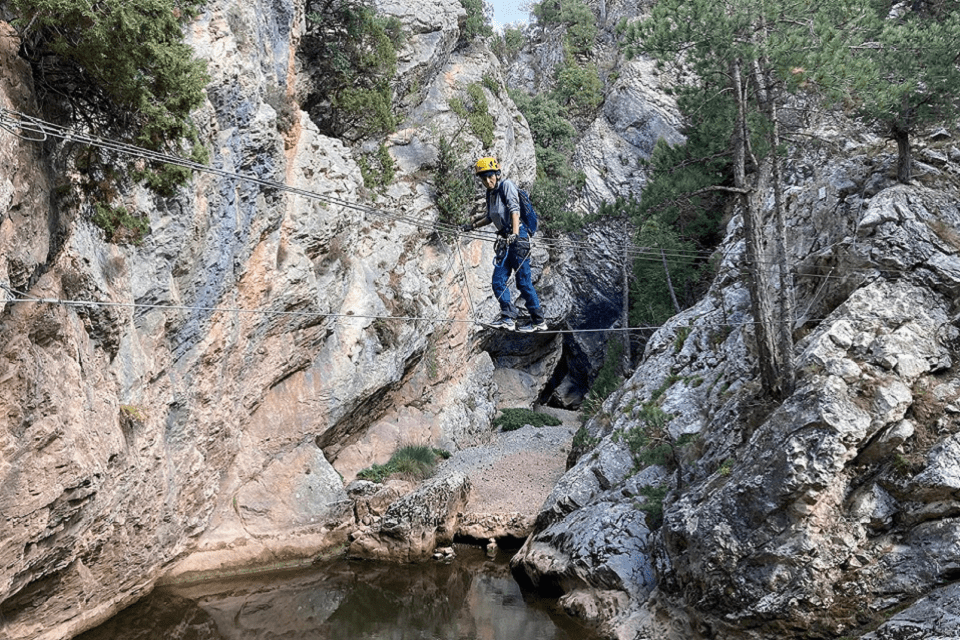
[[412, 527]]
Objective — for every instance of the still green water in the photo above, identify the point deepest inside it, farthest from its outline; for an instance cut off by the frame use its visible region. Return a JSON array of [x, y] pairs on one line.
[[471, 598]]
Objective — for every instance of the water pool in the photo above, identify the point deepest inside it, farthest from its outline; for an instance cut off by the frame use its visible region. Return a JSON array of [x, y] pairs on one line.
[[470, 598]]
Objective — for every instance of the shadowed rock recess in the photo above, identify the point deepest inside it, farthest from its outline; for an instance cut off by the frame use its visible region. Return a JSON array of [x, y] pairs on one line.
[[200, 404]]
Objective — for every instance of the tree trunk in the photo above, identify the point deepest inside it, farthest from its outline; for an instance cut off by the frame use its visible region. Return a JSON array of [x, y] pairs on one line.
[[626, 360], [785, 300], [673, 294], [904, 158], [759, 298], [785, 296]]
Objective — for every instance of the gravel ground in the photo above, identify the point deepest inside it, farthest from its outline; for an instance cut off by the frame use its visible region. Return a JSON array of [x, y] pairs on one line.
[[516, 472]]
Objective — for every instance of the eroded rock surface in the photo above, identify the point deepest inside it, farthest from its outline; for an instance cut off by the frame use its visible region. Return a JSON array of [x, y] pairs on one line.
[[804, 514], [412, 527], [192, 414]]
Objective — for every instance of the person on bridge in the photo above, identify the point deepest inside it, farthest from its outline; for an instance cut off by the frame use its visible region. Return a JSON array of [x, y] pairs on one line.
[[512, 248]]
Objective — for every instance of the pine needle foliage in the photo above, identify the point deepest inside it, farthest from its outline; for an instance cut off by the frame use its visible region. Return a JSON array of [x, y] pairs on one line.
[[123, 70], [554, 137], [913, 65], [350, 51], [893, 66], [453, 183], [478, 22], [579, 88], [475, 110], [576, 16], [679, 212]]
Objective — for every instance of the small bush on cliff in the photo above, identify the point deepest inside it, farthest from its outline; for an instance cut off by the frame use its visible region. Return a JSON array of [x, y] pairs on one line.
[[453, 182], [576, 16], [350, 52], [508, 45], [119, 225], [652, 505], [579, 88], [377, 168], [474, 109], [477, 24]]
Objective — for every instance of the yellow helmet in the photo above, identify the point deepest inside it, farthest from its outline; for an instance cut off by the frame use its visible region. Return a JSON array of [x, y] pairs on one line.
[[486, 164]]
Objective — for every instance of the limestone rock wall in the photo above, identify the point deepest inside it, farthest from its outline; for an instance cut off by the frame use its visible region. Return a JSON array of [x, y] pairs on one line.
[[821, 514], [236, 367], [635, 114]]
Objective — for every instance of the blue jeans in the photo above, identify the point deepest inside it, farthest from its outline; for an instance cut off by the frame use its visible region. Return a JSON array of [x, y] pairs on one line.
[[516, 259]]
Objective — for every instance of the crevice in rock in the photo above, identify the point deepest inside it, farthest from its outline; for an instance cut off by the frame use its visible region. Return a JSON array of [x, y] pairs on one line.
[[366, 411], [511, 543]]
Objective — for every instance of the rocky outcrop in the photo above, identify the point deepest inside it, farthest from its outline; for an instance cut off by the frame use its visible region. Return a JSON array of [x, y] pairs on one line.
[[412, 527], [932, 617], [636, 111], [194, 412], [487, 494], [814, 515]]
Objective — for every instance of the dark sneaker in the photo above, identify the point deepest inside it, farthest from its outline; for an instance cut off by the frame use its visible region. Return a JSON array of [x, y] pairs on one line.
[[533, 325], [503, 322]]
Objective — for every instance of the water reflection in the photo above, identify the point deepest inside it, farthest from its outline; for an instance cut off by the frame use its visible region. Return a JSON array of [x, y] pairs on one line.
[[472, 598]]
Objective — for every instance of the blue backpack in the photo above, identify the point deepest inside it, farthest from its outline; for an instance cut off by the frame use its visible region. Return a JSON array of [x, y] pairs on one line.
[[528, 215]]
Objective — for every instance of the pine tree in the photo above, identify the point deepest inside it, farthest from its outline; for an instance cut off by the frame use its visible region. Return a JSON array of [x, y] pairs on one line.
[[120, 67], [730, 46], [915, 78], [897, 71], [351, 55]]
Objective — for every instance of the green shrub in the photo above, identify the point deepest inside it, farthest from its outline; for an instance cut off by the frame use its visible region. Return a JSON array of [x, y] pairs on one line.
[[123, 69], [119, 225], [508, 44], [554, 138], [476, 112], [513, 419], [649, 441], [378, 168], [726, 467], [583, 441], [682, 334], [417, 462], [551, 196], [491, 84], [351, 54], [453, 181], [477, 24], [579, 88], [652, 505], [575, 15], [548, 122]]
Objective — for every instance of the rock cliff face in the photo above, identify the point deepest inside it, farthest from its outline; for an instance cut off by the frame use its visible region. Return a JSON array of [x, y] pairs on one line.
[[814, 517], [636, 111], [200, 401]]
